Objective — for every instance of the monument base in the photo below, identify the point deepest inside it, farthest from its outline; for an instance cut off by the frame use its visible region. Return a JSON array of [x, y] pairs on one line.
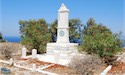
[[62, 48], [61, 53]]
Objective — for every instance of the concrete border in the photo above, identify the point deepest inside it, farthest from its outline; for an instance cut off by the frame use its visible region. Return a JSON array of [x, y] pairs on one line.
[[109, 67], [37, 70], [106, 70]]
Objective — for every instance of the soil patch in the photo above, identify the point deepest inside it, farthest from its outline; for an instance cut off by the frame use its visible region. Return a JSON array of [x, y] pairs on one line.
[[37, 62], [62, 70], [118, 68]]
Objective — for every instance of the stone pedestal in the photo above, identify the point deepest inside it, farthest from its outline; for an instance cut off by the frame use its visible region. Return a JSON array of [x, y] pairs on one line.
[[34, 68], [23, 53], [34, 53], [62, 48]]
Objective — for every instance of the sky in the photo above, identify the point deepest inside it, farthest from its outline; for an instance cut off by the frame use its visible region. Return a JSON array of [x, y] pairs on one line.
[[124, 18], [107, 12]]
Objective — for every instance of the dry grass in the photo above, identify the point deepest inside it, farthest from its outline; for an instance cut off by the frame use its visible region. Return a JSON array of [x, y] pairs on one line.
[[15, 49], [87, 65], [15, 46]]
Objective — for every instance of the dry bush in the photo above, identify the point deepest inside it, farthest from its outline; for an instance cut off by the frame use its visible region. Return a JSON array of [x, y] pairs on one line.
[[8, 50], [86, 64], [5, 52]]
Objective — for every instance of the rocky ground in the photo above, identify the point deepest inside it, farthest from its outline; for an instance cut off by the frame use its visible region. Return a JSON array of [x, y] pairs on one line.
[[123, 56], [59, 69], [18, 71], [16, 49], [119, 67]]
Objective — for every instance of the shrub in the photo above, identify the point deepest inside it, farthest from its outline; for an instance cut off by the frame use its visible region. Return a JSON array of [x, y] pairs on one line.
[[35, 34], [85, 64], [6, 52], [10, 50], [100, 40]]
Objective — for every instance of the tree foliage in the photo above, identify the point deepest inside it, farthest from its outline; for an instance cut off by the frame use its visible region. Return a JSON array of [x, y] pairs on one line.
[[53, 30], [35, 34], [100, 40], [1, 38], [75, 30]]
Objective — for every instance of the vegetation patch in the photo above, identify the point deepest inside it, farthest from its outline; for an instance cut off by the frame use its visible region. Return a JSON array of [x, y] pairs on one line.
[[98, 39]]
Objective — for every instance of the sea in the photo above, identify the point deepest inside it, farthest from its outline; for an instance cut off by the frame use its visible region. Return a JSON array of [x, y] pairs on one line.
[[12, 38]]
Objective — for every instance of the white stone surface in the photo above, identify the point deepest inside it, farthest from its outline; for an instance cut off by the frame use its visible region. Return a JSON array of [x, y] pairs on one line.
[[34, 53], [57, 55], [106, 70], [63, 24], [34, 68], [63, 8], [23, 53], [11, 61], [64, 59], [6, 62], [64, 48], [38, 70], [51, 58]]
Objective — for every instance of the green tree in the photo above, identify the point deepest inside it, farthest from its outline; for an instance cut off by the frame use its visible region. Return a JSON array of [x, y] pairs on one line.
[[1, 38], [35, 34], [53, 30], [90, 23], [75, 31], [100, 40]]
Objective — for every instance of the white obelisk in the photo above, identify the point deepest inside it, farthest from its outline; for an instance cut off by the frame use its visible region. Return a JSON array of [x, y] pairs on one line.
[[63, 25], [62, 45]]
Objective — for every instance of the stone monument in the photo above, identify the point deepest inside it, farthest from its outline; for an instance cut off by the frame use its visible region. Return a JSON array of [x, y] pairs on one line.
[[34, 53], [62, 45], [23, 52]]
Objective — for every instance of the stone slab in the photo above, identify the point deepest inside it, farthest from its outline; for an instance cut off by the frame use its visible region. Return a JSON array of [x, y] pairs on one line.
[[62, 48]]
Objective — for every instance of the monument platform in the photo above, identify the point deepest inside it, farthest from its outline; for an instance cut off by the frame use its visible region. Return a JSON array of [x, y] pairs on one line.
[[62, 48]]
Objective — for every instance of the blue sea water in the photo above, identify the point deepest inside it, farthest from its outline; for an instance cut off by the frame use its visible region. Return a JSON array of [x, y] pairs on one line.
[[12, 38]]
